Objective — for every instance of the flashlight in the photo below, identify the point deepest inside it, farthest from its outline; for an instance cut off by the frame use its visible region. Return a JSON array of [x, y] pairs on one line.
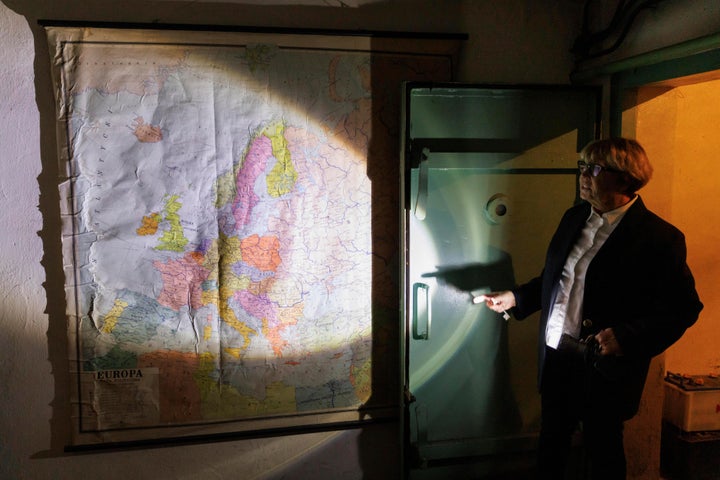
[[477, 299]]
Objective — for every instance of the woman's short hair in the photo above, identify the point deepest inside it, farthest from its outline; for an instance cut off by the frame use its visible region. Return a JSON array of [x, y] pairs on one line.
[[623, 154]]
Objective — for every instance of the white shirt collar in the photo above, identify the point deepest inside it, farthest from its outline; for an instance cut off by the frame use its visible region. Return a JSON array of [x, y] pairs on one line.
[[614, 216]]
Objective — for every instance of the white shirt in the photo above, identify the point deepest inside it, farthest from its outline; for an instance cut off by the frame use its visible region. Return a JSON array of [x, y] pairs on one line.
[[565, 314]]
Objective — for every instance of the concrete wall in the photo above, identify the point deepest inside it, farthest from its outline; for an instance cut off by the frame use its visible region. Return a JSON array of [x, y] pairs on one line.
[[678, 128]]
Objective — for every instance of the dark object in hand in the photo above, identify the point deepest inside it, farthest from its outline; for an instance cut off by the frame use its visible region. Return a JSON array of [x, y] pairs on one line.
[[587, 349]]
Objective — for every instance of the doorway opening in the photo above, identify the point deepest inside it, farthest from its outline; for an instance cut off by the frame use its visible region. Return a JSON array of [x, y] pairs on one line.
[[677, 120], [678, 123]]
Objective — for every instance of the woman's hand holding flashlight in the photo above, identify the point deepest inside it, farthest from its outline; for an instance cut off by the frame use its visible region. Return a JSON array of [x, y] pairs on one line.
[[499, 302]]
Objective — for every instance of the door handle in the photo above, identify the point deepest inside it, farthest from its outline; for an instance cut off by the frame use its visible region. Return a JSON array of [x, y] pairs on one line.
[[421, 317]]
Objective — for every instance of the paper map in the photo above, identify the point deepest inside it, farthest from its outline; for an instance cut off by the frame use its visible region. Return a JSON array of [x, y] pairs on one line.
[[228, 247]]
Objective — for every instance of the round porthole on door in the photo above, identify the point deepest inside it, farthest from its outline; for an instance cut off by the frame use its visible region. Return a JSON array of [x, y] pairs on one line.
[[497, 209]]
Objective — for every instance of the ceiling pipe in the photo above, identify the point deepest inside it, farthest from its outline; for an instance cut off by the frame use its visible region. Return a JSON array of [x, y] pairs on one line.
[[680, 50]]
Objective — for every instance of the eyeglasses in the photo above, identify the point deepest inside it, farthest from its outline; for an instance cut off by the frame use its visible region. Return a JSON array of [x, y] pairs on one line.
[[593, 168]]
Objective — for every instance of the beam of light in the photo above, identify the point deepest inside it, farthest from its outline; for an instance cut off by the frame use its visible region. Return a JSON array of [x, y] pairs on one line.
[[463, 227], [275, 298]]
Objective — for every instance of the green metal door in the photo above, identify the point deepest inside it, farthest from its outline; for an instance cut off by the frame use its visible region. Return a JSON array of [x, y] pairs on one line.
[[488, 173]]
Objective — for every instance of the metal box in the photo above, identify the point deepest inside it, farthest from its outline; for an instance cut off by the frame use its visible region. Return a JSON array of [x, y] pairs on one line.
[[692, 403]]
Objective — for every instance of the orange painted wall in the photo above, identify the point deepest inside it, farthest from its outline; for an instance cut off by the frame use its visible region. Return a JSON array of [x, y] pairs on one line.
[[680, 129]]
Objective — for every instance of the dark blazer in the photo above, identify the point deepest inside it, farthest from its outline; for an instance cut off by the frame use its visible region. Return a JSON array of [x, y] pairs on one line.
[[638, 284]]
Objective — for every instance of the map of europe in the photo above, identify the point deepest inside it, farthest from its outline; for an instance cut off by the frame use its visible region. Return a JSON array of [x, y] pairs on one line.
[[231, 231]]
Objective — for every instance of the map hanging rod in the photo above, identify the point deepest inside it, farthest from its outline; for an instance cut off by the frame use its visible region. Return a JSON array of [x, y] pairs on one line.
[[256, 29]]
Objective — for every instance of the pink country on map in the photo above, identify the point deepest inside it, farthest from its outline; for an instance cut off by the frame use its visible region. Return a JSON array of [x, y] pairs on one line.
[[254, 165], [258, 306], [182, 281]]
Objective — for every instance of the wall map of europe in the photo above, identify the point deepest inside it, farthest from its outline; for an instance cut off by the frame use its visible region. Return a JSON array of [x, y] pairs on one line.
[[229, 230]]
